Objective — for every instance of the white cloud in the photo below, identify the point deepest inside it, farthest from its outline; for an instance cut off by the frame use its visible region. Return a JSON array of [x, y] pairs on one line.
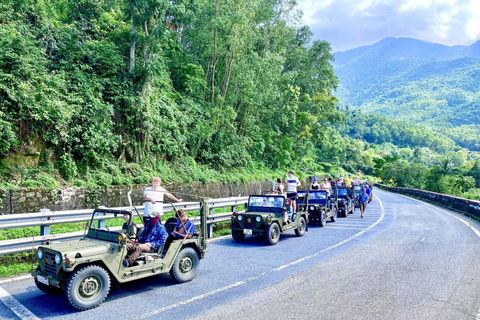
[[350, 23]]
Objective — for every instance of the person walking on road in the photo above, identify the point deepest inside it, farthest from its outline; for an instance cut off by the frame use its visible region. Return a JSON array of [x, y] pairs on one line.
[[363, 200], [292, 184]]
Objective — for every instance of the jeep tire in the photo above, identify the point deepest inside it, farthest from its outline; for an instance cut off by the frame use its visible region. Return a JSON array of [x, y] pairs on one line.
[[333, 218], [237, 235], [185, 266], [322, 218], [87, 287], [272, 234], [302, 226]]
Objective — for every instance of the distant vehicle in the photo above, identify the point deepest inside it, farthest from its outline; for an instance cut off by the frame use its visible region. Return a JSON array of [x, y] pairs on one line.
[[321, 206], [265, 216], [345, 201], [83, 269]]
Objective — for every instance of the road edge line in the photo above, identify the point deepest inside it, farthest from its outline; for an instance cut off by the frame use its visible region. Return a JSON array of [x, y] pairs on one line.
[[13, 304], [435, 207]]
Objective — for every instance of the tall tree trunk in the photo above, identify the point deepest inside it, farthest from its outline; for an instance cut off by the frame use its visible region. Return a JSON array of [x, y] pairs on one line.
[[133, 40], [214, 53]]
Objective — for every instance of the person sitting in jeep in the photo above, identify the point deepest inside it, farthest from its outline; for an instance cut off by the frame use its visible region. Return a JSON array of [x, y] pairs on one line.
[[184, 227], [125, 226], [151, 239], [289, 212]]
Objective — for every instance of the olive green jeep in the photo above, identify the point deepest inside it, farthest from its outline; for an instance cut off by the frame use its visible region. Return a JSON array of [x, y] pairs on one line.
[[83, 269], [268, 215]]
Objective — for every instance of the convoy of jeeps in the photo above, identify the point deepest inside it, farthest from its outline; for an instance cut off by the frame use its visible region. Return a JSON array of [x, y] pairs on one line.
[[84, 269]]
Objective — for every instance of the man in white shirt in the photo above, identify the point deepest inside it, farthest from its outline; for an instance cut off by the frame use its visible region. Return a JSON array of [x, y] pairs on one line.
[[154, 198], [292, 183]]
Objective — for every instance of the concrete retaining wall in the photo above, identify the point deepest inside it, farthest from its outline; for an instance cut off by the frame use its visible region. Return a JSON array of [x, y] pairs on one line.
[[32, 200], [470, 207]]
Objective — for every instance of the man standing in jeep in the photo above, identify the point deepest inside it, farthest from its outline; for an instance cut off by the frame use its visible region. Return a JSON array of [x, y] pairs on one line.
[[292, 184]]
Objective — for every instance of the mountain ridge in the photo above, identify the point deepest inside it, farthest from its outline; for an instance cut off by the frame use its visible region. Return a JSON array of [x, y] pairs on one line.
[[414, 81]]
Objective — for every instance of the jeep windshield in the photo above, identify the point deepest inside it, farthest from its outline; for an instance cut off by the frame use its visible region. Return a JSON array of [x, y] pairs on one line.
[[106, 225], [266, 203], [342, 193], [317, 195]]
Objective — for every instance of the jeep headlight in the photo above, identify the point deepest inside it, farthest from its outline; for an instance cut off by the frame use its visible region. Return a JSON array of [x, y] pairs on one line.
[[258, 219], [58, 258], [40, 254], [312, 208], [239, 217]]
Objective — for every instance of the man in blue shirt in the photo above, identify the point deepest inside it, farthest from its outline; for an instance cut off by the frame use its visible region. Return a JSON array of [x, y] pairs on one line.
[[150, 240], [184, 226], [363, 200]]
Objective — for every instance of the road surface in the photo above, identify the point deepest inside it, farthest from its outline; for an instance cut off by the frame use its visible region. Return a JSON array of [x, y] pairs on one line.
[[404, 260]]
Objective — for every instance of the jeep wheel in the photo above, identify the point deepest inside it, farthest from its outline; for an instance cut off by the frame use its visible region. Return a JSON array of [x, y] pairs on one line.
[[272, 234], [237, 235], [333, 218], [344, 212], [46, 289], [185, 267], [87, 287], [322, 219], [300, 231]]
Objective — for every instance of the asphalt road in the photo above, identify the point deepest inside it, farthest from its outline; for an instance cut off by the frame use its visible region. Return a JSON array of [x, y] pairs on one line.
[[404, 260]]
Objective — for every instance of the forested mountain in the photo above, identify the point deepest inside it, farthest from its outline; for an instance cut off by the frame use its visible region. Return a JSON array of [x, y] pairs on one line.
[[415, 81]]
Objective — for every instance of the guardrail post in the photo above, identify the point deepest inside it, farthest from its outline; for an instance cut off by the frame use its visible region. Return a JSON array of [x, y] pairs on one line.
[[210, 226], [45, 230]]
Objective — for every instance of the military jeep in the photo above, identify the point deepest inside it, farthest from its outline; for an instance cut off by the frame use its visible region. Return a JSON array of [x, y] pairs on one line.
[[345, 201], [267, 215], [83, 269], [322, 205]]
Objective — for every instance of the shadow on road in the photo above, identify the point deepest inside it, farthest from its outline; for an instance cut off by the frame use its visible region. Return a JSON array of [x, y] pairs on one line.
[[47, 306]]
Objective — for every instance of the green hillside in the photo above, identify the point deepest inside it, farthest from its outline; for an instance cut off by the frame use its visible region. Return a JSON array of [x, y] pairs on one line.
[[418, 82]]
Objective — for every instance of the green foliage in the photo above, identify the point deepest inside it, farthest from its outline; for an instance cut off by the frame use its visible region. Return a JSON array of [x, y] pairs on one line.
[[67, 167]]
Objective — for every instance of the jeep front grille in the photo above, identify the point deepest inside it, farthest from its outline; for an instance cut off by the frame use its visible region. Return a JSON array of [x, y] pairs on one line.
[[249, 225], [50, 269]]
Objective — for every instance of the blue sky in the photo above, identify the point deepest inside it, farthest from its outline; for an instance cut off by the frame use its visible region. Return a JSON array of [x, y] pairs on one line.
[[349, 24]]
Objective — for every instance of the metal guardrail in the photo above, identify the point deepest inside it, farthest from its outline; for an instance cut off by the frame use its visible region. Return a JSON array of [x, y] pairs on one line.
[[46, 218], [467, 206]]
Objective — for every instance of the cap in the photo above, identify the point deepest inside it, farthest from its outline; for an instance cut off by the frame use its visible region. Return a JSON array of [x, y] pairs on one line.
[[154, 214], [341, 176], [349, 174], [290, 172]]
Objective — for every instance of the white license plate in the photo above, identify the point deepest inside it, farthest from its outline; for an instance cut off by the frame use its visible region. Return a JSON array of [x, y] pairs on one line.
[[247, 231], [43, 280]]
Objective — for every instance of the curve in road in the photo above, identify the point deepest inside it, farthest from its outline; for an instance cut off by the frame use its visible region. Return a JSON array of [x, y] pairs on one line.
[[404, 260]]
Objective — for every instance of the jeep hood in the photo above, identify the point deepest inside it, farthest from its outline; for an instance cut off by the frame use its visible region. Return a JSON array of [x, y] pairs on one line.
[[85, 247]]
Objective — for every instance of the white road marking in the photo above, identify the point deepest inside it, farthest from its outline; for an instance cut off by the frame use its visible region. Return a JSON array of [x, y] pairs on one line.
[[450, 214], [20, 278], [17, 308], [239, 283], [345, 228], [478, 315]]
